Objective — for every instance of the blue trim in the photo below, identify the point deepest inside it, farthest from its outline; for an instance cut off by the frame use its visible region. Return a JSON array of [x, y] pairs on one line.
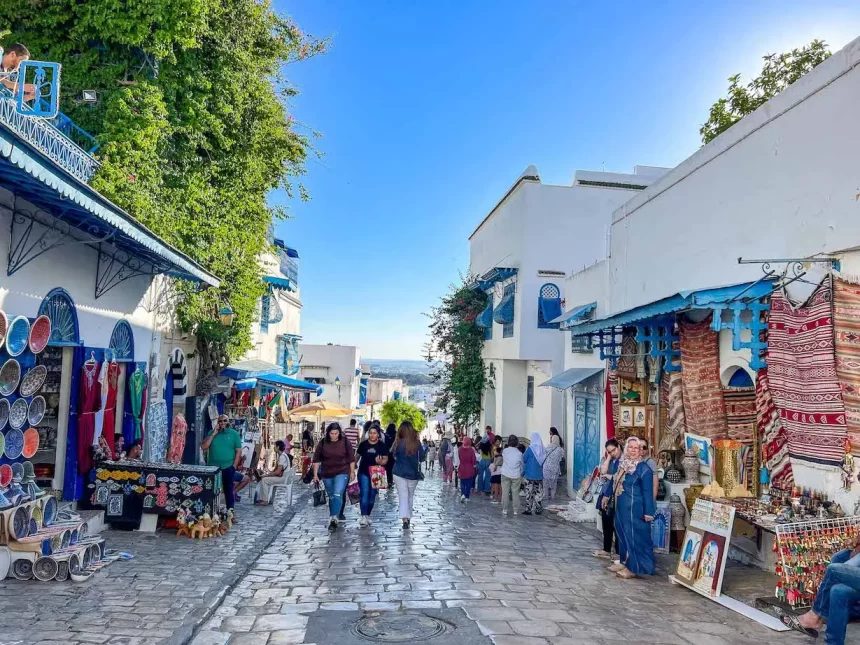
[[265, 303], [740, 379], [571, 316], [504, 311], [491, 277], [280, 283], [485, 318], [60, 309], [548, 310], [245, 384], [71, 488], [571, 377], [122, 342], [275, 379], [292, 253]]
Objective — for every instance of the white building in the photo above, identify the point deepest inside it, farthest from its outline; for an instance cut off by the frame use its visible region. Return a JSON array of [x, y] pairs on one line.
[[520, 254], [336, 368]]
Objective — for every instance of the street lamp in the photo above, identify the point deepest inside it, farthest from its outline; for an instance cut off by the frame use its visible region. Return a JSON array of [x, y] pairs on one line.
[[226, 316], [337, 385]]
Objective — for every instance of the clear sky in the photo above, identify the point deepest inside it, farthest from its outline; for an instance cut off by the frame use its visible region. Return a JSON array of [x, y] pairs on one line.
[[430, 109]]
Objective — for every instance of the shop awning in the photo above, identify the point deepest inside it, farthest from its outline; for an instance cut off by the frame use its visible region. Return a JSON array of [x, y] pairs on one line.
[[571, 377], [292, 253], [579, 312], [248, 369], [504, 312], [715, 298], [550, 308], [491, 277], [245, 384], [276, 379], [279, 283], [485, 318]]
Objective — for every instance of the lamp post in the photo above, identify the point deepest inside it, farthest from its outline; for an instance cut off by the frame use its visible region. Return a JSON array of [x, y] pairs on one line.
[[225, 314], [337, 385]]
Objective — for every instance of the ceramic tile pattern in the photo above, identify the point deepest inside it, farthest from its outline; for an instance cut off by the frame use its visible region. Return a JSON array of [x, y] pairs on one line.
[[521, 581]]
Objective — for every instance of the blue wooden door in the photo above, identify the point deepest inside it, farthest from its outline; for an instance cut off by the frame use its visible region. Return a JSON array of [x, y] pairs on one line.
[[586, 438]]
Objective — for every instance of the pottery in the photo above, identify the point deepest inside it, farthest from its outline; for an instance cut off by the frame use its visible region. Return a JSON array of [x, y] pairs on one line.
[[31, 443], [18, 414], [45, 569], [83, 576], [18, 335], [690, 463], [20, 523], [40, 334], [6, 475], [33, 380], [36, 410], [14, 444], [4, 413], [691, 494], [4, 327], [49, 510], [5, 562], [62, 571], [679, 513], [67, 540], [37, 516], [10, 376], [22, 569]]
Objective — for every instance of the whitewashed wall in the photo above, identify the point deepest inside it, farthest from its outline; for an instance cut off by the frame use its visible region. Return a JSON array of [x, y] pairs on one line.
[[340, 360]]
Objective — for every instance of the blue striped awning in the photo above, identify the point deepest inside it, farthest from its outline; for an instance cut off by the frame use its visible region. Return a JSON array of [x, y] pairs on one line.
[[580, 312], [275, 379], [504, 312], [292, 253], [485, 318], [277, 282], [491, 277]]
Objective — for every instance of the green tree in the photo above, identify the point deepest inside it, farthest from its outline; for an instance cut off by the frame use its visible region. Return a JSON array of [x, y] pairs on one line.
[[398, 411], [193, 129], [779, 71], [455, 347]]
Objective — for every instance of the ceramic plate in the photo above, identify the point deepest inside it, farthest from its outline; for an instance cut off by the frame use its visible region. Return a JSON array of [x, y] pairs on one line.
[[18, 335], [2, 447], [5, 562], [36, 410], [31, 442], [14, 444], [62, 571], [33, 380], [34, 526], [49, 513], [18, 414], [4, 327], [17, 470], [74, 563], [4, 413], [22, 569], [45, 569], [10, 376], [5, 475], [40, 333], [20, 523], [67, 540]]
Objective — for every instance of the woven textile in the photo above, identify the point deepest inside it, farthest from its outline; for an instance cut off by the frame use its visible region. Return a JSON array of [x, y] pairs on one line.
[[740, 413], [774, 439], [802, 376], [612, 380], [672, 401], [846, 320], [628, 363], [704, 408]]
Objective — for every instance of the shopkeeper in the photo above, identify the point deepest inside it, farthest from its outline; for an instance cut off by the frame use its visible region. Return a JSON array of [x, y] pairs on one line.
[[225, 451]]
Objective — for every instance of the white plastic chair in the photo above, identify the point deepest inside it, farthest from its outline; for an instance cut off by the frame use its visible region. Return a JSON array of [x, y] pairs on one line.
[[289, 476]]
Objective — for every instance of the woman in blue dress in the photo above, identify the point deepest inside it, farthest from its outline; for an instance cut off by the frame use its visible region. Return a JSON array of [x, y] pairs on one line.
[[633, 487]]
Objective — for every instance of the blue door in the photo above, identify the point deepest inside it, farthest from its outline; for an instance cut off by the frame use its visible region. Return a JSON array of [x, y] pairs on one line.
[[586, 438]]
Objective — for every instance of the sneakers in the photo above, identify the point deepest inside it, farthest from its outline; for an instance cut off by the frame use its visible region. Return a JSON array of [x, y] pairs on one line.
[[362, 521], [494, 502], [504, 511], [462, 499], [332, 524]]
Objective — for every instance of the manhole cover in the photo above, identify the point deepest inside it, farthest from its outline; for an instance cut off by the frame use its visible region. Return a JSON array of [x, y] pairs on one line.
[[398, 626]]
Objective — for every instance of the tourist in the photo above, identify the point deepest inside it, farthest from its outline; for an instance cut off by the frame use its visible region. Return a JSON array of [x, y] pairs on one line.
[[533, 460], [512, 475], [336, 459], [390, 437], [455, 461], [371, 452], [367, 426], [289, 450], [496, 474], [307, 440], [446, 465], [633, 488], [407, 471], [605, 502], [552, 463], [225, 451], [488, 434], [276, 476], [135, 450], [431, 456], [13, 56], [485, 448], [467, 469], [649, 461], [352, 433], [119, 446], [422, 457]]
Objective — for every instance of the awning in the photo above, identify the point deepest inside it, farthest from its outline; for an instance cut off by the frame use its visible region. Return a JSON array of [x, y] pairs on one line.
[[276, 379], [504, 312], [248, 369], [245, 384], [571, 377], [550, 308], [715, 298], [485, 318], [292, 253], [580, 312], [491, 277], [279, 283]]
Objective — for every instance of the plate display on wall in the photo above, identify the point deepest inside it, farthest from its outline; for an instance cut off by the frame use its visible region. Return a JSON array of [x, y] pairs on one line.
[[49, 512], [33, 380], [2, 449], [22, 569], [36, 410], [4, 327], [4, 413], [31, 442], [40, 334], [10, 376], [20, 522], [18, 335], [45, 569], [14, 444], [5, 475], [18, 414]]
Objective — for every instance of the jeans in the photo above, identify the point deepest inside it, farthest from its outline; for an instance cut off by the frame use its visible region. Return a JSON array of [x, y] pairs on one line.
[[511, 492], [483, 484], [405, 494], [227, 481], [335, 488], [838, 597], [368, 494], [466, 485]]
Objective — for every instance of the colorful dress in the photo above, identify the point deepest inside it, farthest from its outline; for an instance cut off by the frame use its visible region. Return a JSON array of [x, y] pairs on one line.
[[634, 498], [552, 469], [106, 417], [89, 402], [177, 440], [136, 388]]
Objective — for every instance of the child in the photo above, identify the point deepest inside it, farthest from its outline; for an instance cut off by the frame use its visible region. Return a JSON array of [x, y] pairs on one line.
[[496, 475], [431, 457]]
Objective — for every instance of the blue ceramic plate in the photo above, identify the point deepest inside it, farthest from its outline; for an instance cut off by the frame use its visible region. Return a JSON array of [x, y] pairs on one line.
[[33, 380], [18, 414], [20, 523], [50, 511], [4, 413], [36, 410], [14, 444], [18, 335]]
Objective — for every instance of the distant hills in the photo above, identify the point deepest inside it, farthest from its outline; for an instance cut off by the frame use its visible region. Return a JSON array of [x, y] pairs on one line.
[[412, 372]]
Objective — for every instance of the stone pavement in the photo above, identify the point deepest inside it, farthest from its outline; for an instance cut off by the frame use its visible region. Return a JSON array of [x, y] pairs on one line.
[[160, 596], [519, 580]]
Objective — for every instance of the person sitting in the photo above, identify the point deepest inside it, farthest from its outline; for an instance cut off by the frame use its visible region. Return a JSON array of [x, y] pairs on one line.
[[135, 450], [13, 56], [276, 476], [119, 446]]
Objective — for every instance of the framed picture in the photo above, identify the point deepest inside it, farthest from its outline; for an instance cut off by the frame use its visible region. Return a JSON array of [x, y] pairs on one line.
[[712, 562], [639, 416], [691, 549], [625, 415], [630, 392], [702, 446]]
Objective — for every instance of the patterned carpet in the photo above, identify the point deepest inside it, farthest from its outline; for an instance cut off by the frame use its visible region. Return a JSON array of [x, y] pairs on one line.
[[704, 408], [846, 320], [773, 436]]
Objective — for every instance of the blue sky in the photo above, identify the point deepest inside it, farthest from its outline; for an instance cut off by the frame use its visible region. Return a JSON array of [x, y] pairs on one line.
[[429, 110]]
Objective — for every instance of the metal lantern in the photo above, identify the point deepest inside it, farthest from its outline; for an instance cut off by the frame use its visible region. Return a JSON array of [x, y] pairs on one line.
[[226, 316]]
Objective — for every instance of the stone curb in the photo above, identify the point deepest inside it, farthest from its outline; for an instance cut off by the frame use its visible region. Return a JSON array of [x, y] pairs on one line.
[[191, 625]]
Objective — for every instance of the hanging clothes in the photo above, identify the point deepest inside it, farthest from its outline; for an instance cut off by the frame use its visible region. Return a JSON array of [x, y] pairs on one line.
[[106, 416], [177, 439], [137, 390], [88, 404]]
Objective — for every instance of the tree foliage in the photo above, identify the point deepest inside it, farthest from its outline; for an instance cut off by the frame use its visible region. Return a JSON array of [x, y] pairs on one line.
[[192, 125], [779, 71], [455, 345], [398, 411]]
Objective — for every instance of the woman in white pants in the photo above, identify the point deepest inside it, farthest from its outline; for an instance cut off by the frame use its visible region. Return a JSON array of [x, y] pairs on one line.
[[407, 468], [277, 476]]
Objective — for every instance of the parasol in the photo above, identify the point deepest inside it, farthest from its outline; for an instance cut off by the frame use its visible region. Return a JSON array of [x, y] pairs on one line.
[[319, 410]]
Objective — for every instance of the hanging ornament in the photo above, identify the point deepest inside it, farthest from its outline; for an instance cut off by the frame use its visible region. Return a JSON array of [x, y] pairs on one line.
[[848, 477]]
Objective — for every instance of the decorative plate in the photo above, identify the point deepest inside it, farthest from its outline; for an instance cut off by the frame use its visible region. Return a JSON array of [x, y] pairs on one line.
[[34, 526], [33, 380], [4, 413], [40, 334], [5, 562], [18, 335], [73, 538], [14, 444], [36, 411], [18, 414], [20, 523], [74, 564], [37, 515], [67, 540], [56, 542], [22, 569], [2, 445], [10, 376], [85, 559], [4, 327], [31, 442], [49, 512], [45, 569], [5, 475], [62, 571]]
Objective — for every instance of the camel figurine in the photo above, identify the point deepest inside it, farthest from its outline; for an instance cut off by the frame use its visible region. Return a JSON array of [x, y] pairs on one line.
[[182, 518], [215, 528], [201, 527], [229, 518]]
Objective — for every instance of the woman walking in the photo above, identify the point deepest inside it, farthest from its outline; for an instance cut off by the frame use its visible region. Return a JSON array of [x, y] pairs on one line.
[[390, 438], [496, 475], [533, 460], [552, 463], [512, 475], [407, 468], [455, 461], [467, 469], [335, 458], [486, 449], [446, 463], [371, 452], [431, 456], [633, 488], [605, 502], [277, 476]]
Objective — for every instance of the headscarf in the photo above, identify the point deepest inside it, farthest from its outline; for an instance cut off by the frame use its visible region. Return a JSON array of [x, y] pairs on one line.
[[555, 440], [467, 442], [537, 448]]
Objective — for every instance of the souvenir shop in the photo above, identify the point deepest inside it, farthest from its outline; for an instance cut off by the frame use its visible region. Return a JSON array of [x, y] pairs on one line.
[[751, 394]]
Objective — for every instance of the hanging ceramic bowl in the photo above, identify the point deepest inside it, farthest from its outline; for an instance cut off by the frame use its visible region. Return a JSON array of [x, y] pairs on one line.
[[34, 527], [31, 442], [49, 510], [18, 414], [14, 444], [33, 380], [5, 562], [10, 376], [2, 444], [5, 475], [18, 335], [22, 569], [4, 327], [20, 523], [73, 538], [36, 410], [17, 471], [4, 413], [40, 334]]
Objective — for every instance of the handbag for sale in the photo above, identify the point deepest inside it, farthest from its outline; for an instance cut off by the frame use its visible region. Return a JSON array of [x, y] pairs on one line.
[[378, 477], [320, 498]]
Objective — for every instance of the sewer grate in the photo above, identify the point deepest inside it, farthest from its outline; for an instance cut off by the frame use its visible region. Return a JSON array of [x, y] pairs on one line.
[[396, 627]]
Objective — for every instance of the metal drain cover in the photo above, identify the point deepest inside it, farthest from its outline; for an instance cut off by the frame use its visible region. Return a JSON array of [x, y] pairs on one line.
[[396, 626]]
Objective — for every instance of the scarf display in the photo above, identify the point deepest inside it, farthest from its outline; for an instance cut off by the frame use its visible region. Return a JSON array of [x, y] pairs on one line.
[[774, 439], [704, 408]]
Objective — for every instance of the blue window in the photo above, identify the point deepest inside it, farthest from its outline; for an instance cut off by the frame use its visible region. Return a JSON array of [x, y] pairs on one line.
[[549, 306], [485, 318], [504, 312]]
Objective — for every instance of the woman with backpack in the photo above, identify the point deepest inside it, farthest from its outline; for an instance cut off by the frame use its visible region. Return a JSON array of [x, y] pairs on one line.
[[335, 457]]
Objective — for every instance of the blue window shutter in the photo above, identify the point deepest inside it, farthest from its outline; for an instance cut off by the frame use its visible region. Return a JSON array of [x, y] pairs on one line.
[[487, 318], [549, 306]]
